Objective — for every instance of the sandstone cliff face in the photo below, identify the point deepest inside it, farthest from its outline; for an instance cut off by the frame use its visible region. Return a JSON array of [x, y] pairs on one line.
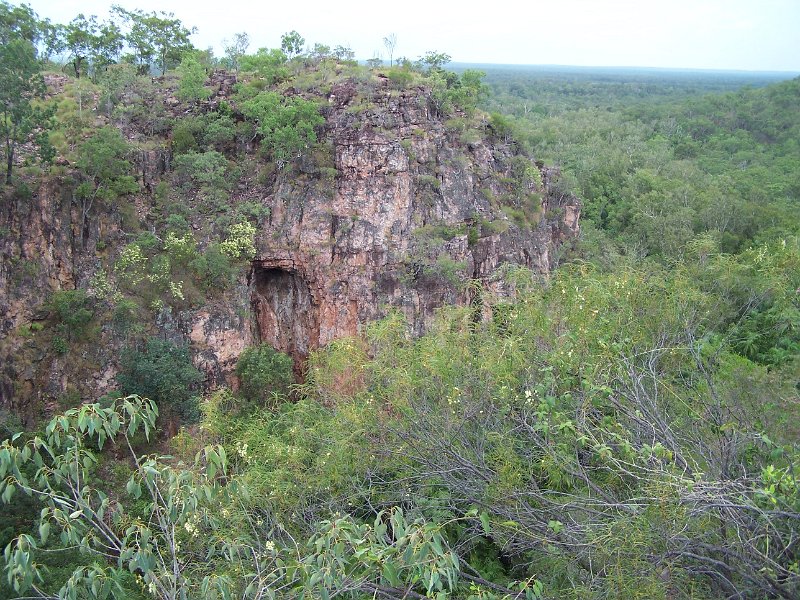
[[413, 214], [415, 208]]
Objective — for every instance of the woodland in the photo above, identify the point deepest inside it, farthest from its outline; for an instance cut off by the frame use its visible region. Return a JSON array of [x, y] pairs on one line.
[[626, 427]]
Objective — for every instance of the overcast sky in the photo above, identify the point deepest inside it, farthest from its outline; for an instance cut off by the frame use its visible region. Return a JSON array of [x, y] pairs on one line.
[[704, 34]]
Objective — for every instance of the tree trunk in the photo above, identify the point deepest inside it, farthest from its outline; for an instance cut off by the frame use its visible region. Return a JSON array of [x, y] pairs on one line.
[[9, 165]]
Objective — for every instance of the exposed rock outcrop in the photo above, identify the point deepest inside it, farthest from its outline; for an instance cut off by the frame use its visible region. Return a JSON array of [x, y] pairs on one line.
[[412, 213], [401, 211]]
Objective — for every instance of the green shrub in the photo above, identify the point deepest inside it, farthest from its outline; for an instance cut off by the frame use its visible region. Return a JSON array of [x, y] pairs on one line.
[[265, 374], [430, 181], [177, 224], [219, 132], [183, 138], [286, 124], [72, 310], [501, 126], [60, 345], [163, 372], [202, 169], [192, 79], [124, 318], [213, 268], [400, 77]]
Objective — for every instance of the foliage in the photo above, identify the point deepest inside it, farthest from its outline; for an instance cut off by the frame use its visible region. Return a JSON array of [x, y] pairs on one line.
[[266, 64], [204, 132], [205, 172], [292, 43], [19, 22], [434, 61], [163, 372], [657, 174], [235, 49], [104, 161], [159, 271], [171, 505], [287, 125], [170, 517], [91, 45], [240, 243], [214, 269], [264, 374], [192, 79], [73, 311], [550, 408], [202, 169], [155, 38], [21, 120]]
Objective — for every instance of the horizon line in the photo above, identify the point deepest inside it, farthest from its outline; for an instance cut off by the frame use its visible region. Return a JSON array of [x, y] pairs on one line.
[[630, 67]]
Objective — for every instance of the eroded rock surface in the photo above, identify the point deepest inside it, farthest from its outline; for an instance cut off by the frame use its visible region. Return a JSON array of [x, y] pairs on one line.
[[412, 215], [406, 208]]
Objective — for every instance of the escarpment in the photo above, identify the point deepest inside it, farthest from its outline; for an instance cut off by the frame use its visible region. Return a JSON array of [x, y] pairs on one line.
[[396, 207]]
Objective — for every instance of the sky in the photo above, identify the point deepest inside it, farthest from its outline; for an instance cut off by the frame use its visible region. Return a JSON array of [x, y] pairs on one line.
[[749, 35]]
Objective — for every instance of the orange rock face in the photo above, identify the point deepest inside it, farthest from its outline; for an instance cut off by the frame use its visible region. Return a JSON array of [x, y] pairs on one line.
[[412, 215], [404, 212]]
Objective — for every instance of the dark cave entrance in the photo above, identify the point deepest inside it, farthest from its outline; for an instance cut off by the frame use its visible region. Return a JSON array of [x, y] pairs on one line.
[[284, 311]]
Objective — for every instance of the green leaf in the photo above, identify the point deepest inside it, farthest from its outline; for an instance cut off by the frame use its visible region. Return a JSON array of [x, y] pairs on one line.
[[485, 522], [555, 526], [44, 531], [389, 572]]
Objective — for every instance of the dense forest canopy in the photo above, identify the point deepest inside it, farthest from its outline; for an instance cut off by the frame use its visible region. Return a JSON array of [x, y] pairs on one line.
[[626, 428]]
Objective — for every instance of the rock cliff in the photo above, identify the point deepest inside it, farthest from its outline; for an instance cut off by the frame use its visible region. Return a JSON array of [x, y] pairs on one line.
[[405, 209]]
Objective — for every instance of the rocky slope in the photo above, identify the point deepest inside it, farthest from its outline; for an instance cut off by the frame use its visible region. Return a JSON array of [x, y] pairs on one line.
[[413, 206]]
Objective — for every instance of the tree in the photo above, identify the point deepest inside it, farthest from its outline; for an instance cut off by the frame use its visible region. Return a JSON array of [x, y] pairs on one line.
[[292, 43], [175, 504], [91, 45], [18, 22], [73, 311], [390, 41], [51, 36], [269, 64], [343, 53], [79, 40], [191, 532], [320, 52], [21, 83], [434, 61], [191, 86], [104, 162], [236, 49], [155, 37], [106, 47]]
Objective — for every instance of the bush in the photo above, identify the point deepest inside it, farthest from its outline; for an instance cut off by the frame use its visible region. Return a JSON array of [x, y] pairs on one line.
[[202, 169], [192, 79], [162, 372], [72, 311], [125, 316], [287, 125], [183, 138], [265, 374], [400, 77], [213, 268]]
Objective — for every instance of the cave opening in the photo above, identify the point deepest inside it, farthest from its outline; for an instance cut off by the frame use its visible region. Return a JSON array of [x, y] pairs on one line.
[[284, 311]]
